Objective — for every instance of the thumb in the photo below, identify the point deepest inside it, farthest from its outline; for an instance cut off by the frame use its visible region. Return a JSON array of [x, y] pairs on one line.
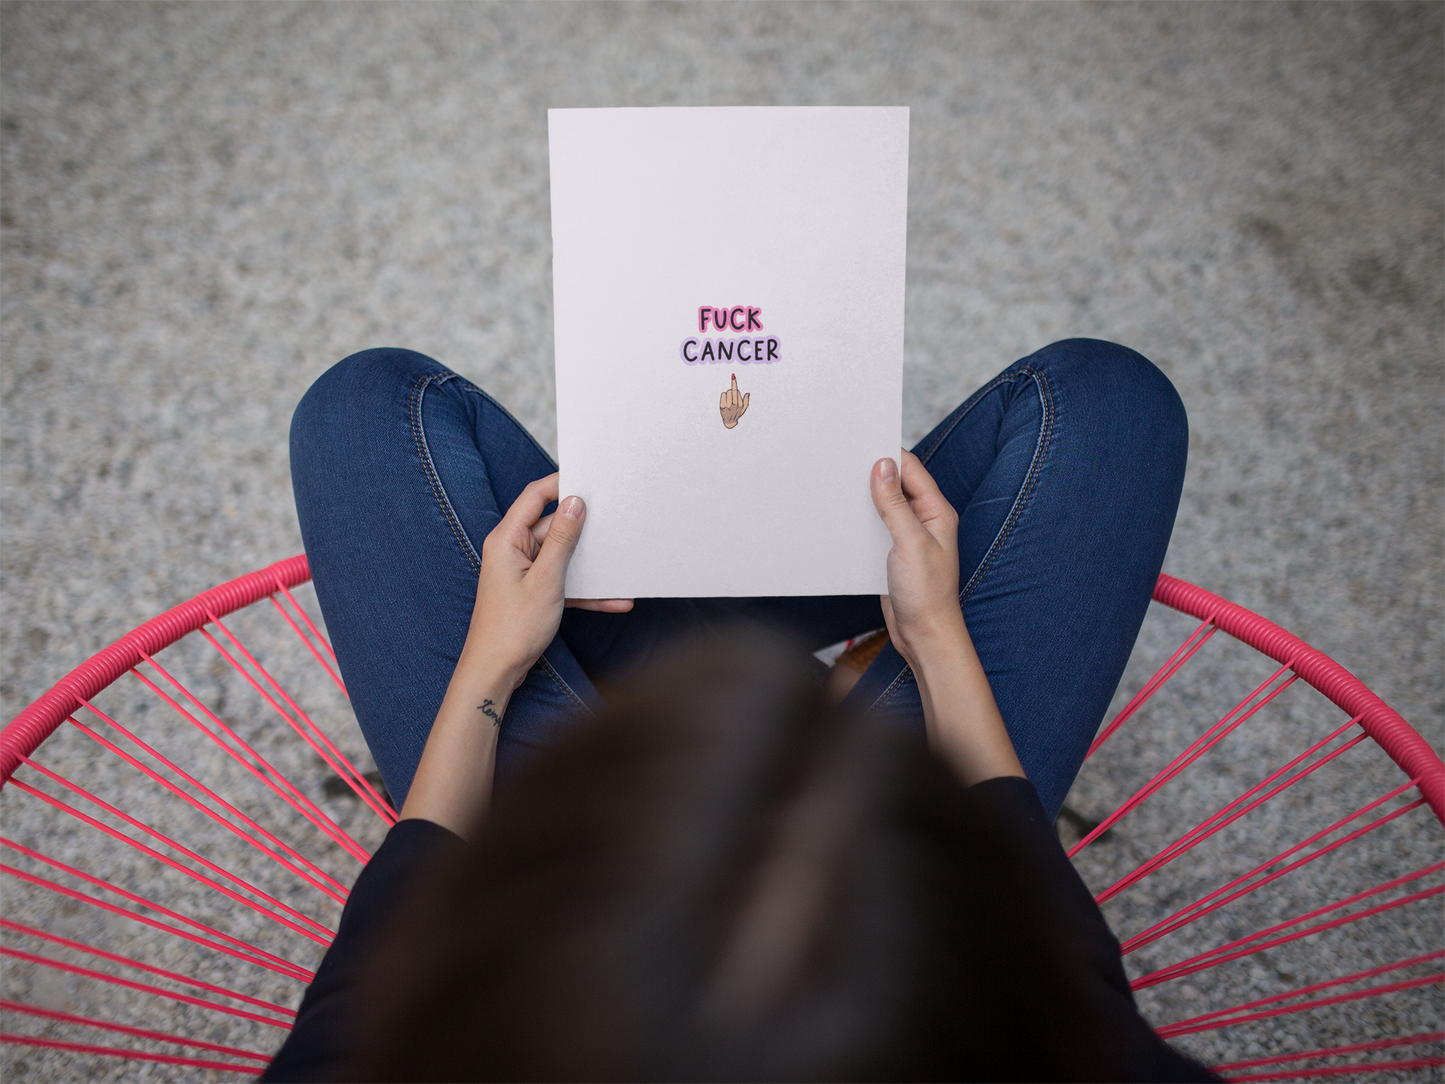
[[744, 410], [890, 501], [561, 540]]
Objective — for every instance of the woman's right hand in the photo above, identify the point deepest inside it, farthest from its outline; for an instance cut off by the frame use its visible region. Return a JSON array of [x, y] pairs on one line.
[[921, 607], [519, 589], [517, 613]]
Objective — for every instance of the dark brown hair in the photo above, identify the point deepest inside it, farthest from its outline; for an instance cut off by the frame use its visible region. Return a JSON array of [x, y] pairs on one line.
[[728, 879]]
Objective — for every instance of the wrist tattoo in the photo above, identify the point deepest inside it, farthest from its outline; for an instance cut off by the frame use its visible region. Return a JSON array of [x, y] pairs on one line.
[[486, 708]]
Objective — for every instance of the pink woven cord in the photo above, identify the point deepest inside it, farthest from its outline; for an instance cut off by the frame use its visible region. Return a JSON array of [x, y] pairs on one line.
[[1432, 777], [33, 725], [1180, 970], [1205, 742], [316, 877], [1304, 1006], [342, 765], [311, 647], [1341, 1070], [142, 987], [282, 787], [325, 644], [243, 953], [1232, 812], [1155, 683], [133, 1055], [1198, 909], [318, 928], [38, 721], [125, 1029], [126, 961], [1165, 974], [1221, 954], [1335, 1051], [231, 946], [297, 922], [1304, 991], [1407, 748], [301, 723]]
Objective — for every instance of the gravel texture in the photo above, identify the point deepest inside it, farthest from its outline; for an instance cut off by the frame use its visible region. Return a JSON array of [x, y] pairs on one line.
[[204, 206]]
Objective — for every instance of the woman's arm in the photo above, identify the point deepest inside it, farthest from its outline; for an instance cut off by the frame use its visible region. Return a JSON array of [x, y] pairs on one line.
[[517, 612], [925, 623], [518, 608]]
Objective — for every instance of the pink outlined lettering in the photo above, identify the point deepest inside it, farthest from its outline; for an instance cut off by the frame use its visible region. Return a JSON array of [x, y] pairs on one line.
[[736, 318]]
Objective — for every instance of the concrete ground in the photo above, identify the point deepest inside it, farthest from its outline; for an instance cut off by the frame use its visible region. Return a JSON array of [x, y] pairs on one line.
[[204, 206]]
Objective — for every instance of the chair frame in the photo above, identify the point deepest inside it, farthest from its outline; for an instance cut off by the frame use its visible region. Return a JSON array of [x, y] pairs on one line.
[[1297, 660]]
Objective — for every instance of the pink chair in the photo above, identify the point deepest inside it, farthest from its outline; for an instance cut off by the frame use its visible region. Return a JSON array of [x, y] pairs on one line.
[[194, 954]]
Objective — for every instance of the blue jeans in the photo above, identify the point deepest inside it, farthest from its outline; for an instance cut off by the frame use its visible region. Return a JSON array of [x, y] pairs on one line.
[[1065, 470]]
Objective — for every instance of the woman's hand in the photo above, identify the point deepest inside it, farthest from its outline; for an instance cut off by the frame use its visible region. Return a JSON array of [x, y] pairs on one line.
[[518, 609], [519, 591], [921, 607], [925, 623]]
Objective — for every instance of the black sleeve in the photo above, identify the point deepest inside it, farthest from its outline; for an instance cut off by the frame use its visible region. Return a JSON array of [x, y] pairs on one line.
[[1059, 897], [322, 1039]]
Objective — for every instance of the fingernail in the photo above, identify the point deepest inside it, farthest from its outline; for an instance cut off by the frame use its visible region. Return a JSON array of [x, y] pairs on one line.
[[887, 470], [571, 508]]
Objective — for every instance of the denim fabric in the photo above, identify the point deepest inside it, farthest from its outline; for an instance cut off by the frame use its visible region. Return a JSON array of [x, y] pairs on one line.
[[1066, 471]]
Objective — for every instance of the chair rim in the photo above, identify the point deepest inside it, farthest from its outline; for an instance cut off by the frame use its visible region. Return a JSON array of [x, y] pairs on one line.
[[1411, 753], [25, 733], [1404, 745]]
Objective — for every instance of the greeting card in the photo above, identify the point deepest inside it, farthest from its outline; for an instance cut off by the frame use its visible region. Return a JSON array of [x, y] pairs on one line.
[[728, 289]]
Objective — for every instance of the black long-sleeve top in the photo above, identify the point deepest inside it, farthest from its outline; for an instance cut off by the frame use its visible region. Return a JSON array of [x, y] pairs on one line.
[[325, 1034]]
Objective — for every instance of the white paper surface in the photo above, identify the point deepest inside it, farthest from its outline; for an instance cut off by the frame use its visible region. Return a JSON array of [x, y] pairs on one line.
[[797, 213]]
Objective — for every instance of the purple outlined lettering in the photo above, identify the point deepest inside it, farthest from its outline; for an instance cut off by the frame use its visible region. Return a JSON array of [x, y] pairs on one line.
[[765, 350]]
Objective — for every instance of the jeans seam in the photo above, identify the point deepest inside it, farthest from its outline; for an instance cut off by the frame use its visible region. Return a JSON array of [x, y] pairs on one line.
[[543, 662], [1025, 491], [1021, 501], [561, 683], [467, 385], [438, 492], [963, 412]]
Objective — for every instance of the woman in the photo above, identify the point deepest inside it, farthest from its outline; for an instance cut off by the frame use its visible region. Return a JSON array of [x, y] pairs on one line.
[[1028, 529]]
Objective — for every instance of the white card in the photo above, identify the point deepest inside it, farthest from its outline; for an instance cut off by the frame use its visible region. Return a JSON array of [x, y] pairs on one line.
[[690, 246]]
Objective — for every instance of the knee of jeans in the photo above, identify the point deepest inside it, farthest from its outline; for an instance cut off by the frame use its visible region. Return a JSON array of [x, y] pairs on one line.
[[1113, 375], [357, 387]]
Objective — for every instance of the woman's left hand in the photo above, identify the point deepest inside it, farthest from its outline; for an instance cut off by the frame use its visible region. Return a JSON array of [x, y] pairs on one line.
[[520, 588]]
